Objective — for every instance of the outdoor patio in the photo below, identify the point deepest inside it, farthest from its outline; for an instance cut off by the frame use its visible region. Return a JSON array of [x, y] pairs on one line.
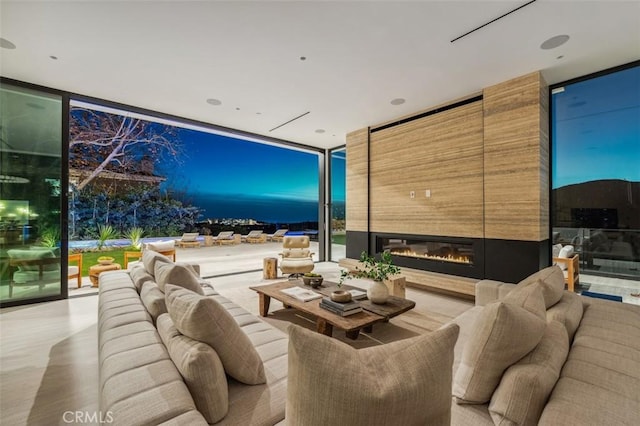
[[220, 260]]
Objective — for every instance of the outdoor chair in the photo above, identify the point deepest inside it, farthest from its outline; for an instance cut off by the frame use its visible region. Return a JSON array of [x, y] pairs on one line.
[[277, 236], [75, 271], [225, 237], [297, 259], [255, 236], [569, 262], [189, 239]]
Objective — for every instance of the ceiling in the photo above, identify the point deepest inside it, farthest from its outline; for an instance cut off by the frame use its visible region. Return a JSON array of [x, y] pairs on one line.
[[173, 56]]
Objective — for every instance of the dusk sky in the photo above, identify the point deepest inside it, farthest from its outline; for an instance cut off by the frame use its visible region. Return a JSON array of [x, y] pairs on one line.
[[241, 179], [596, 129]]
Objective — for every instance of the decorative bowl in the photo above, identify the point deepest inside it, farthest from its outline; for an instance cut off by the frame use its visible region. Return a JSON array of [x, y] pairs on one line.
[[314, 281], [105, 260], [341, 296]]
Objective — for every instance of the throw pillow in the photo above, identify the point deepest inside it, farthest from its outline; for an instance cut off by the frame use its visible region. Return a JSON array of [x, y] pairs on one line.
[[566, 252], [530, 298], [407, 382], [177, 274], [504, 333], [149, 259], [200, 368], [139, 275], [526, 385], [153, 299], [204, 319], [567, 311], [552, 281]]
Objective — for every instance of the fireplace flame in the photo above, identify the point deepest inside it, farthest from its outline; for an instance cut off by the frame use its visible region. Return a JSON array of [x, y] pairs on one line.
[[456, 258]]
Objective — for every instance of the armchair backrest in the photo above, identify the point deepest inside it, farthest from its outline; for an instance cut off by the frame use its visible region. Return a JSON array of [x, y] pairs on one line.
[[295, 242]]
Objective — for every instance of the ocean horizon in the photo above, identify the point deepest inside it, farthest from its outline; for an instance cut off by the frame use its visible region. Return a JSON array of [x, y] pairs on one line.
[[262, 209]]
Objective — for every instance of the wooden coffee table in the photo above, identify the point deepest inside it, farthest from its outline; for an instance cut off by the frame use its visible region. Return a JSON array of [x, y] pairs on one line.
[[326, 320]]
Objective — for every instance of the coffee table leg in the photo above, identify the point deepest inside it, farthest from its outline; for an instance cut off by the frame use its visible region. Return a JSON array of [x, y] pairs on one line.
[[264, 302], [353, 334], [324, 327]]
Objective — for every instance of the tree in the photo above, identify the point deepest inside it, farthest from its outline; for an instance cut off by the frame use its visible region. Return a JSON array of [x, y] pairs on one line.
[[100, 141]]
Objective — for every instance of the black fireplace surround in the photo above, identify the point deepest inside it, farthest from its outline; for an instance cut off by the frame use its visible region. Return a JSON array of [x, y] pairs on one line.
[[448, 255], [479, 258]]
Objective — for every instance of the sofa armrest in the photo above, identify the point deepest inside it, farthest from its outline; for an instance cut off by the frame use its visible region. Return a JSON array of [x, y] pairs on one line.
[[488, 291]]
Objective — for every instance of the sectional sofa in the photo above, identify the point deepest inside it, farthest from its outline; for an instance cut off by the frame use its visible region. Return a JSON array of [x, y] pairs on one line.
[[526, 354], [160, 357], [533, 353]]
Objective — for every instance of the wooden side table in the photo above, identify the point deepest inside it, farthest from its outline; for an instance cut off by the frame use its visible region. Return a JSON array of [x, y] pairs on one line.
[[96, 270]]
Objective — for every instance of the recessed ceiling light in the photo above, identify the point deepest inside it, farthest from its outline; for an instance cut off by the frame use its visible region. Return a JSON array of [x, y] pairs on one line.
[[320, 130], [237, 108], [555, 41], [303, 58], [13, 179], [398, 101], [258, 113], [6, 44], [212, 101], [55, 58]]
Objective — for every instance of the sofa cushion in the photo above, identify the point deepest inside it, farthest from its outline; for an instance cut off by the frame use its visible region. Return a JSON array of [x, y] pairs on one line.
[[205, 320], [177, 274], [139, 276], [400, 383], [153, 299], [201, 369], [527, 384], [161, 245], [149, 259], [551, 280], [503, 334], [568, 311]]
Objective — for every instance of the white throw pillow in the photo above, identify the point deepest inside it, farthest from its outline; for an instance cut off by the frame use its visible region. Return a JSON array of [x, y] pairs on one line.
[[566, 252], [161, 245]]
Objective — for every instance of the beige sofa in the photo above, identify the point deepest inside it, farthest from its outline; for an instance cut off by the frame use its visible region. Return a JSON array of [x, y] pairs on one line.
[[584, 370], [150, 373]]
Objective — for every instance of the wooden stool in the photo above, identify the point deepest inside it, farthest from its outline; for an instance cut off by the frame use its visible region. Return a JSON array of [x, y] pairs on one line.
[[270, 268]]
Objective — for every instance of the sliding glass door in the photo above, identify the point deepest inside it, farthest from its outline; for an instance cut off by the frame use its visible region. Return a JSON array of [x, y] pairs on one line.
[[30, 195], [337, 204]]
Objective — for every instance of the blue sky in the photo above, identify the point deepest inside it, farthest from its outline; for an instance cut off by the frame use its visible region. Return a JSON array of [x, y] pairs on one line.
[[237, 178], [596, 129]]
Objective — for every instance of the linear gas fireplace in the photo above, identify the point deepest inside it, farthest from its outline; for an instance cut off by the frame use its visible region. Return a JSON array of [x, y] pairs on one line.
[[447, 255]]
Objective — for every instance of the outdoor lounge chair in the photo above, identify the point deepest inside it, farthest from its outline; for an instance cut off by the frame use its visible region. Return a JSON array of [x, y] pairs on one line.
[[226, 237], [189, 239], [277, 236], [75, 271], [255, 236]]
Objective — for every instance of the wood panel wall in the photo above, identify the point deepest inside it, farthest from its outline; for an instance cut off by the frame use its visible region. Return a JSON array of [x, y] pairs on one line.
[[357, 183], [516, 158], [441, 153]]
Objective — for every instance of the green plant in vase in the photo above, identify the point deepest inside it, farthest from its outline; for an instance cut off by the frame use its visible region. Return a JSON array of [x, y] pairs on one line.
[[376, 270]]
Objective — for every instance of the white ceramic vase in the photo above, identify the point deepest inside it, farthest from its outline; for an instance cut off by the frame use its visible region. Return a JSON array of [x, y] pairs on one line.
[[378, 292]]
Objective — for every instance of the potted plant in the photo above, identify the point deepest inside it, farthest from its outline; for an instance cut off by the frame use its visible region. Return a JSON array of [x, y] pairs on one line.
[[105, 260], [376, 270]]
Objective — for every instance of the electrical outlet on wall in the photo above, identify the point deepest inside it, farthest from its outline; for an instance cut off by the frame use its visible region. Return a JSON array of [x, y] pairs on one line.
[[427, 193], [412, 194]]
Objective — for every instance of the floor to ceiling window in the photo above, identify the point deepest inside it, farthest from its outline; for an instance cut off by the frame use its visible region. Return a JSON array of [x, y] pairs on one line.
[[596, 171], [166, 177], [337, 204], [30, 195]]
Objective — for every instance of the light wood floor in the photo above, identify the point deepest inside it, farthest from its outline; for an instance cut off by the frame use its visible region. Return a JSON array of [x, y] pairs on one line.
[[49, 358]]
